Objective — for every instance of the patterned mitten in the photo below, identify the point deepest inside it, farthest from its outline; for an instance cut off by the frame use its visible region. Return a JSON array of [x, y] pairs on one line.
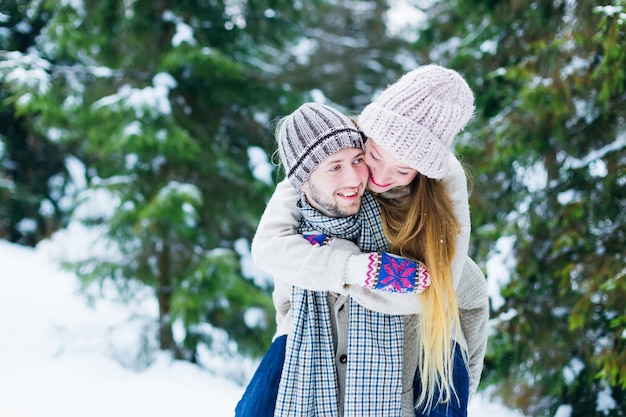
[[386, 272]]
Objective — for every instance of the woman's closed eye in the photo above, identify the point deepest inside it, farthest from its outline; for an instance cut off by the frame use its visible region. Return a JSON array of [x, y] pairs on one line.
[[374, 157]]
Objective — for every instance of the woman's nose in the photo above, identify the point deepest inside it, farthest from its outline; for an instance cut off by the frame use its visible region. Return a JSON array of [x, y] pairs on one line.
[[382, 174]]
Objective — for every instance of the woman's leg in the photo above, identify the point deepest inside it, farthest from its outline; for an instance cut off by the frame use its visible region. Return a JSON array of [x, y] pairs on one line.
[[457, 406], [259, 399]]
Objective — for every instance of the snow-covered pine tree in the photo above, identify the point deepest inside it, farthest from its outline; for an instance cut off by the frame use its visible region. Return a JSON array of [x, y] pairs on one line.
[[162, 102], [548, 150]]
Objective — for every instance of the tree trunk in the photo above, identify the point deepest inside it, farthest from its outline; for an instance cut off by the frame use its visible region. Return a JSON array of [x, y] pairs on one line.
[[165, 291]]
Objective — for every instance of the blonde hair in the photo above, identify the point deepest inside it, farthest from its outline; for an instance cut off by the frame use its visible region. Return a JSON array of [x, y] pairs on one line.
[[422, 226]]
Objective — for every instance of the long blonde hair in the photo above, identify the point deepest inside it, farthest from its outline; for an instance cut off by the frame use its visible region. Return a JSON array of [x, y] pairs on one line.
[[422, 226]]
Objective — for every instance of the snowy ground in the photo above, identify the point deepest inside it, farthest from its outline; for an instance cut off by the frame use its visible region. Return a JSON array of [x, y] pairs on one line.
[[60, 357]]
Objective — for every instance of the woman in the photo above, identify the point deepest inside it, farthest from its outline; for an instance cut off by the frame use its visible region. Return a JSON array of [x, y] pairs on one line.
[[410, 128]]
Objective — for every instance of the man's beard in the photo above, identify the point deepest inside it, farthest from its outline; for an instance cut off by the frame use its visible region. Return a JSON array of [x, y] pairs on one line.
[[328, 206]]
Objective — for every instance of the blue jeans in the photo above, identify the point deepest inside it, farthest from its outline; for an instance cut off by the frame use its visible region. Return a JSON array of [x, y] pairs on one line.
[[457, 406], [259, 399]]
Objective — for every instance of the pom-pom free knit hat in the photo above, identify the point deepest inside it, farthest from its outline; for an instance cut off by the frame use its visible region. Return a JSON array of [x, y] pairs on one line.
[[311, 134], [416, 118]]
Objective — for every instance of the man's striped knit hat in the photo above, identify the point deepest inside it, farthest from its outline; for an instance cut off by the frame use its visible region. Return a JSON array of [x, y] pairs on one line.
[[311, 134]]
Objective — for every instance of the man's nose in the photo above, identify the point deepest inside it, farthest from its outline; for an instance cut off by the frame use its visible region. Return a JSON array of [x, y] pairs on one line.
[[352, 177]]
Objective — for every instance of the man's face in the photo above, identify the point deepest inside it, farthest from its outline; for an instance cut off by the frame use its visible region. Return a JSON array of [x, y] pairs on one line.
[[336, 186]]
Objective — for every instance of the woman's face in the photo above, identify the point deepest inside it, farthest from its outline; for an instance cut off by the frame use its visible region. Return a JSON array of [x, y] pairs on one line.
[[386, 172]]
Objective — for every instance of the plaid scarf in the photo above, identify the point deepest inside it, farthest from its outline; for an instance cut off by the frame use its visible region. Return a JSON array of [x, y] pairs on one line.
[[308, 385]]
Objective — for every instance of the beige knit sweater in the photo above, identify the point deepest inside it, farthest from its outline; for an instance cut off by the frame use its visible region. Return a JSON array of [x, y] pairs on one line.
[[291, 260]]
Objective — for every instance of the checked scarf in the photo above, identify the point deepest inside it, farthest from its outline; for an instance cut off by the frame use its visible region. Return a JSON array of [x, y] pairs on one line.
[[308, 385]]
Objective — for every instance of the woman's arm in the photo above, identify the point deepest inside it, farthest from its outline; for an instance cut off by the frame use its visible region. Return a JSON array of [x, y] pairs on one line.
[[469, 281], [288, 257], [456, 185], [279, 250]]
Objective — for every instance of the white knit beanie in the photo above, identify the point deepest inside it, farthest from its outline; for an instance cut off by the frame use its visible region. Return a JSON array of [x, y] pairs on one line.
[[311, 134], [417, 118]]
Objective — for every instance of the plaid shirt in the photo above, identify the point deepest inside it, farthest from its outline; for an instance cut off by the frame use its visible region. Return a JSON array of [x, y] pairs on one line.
[[308, 384]]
